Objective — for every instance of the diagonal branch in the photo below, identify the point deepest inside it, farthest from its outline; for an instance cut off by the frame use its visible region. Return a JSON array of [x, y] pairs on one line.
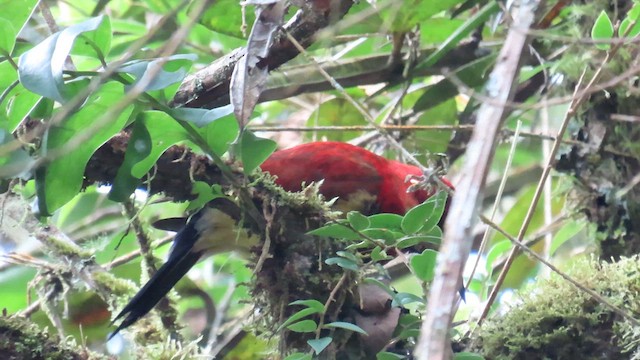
[[433, 342]]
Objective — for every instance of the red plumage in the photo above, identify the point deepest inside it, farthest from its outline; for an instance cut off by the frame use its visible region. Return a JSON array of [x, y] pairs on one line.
[[346, 170], [360, 179]]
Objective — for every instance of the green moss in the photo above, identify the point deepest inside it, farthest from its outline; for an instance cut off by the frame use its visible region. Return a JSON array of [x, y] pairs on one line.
[[66, 248], [555, 320], [20, 339]]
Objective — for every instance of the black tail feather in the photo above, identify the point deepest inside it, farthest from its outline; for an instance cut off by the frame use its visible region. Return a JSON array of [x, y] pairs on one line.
[[154, 290]]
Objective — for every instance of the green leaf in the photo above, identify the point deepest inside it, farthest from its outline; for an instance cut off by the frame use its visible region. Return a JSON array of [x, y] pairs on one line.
[[388, 236], [311, 304], [18, 102], [201, 117], [602, 30], [40, 69], [386, 221], [424, 265], [439, 201], [319, 344], [94, 43], [343, 263], [12, 164], [439, 29], [402, 16], [297, 316], [495, 252], [7, 36], [299, 356], [336, 111], [61, 180], [153, 133], [467, 356], [16, 13], [403, 299], [174, 69], [380, 284], [205, 193], [433, 236], [348, 255], [254, 151], [421, 142], [416, 217], [358, 221], [220, 134], [377, 254], [471, 24], [225, 16], [337, 231], [304, 326], [633, 16], [346, 326], [385, 355], [471, 74], [567, 231]]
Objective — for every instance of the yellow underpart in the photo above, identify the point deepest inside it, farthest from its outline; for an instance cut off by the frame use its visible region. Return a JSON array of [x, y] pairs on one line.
[[219, 233]]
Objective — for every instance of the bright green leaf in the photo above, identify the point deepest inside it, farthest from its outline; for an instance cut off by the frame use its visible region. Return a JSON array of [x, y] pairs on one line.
[[358, 221], [388, 236], [633, 17], [342, 262], [311, 304], [7, 36], [299, 356], [602, 30], [174, 69], [304, 326], [346, 326], [415, 218], [254, 150], [386, 221], [96, 42], [73, 142], [403, 299], [467, 356], [404, 15], [495, 252], [433, 236], [220, 134], [424, 265], [385, 355], [566, 232], [225, 16], [17, 13], [377, 254], [297, 316], [336, 111], [153, 133], [14, 163], [337, 231]]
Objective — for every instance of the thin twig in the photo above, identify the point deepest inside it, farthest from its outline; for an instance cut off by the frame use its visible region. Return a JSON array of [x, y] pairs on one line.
[[327, 303], [494, 210], [534, 202]]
